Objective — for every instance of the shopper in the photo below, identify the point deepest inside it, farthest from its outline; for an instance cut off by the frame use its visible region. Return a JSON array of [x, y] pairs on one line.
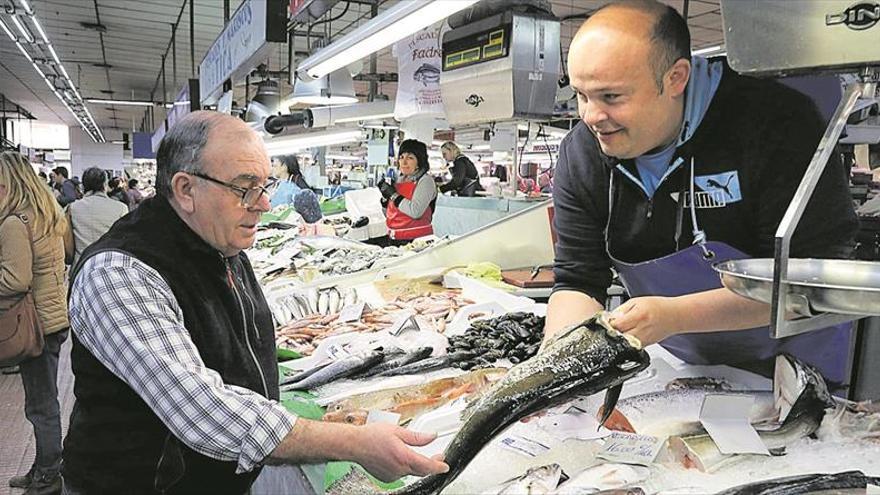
[[498, 171], [409, 203], [290, 180], [92, 216], [659, 129], [133, 194], [28, 210], [174, 348], [66, 187], [465, 178], [117, 190]]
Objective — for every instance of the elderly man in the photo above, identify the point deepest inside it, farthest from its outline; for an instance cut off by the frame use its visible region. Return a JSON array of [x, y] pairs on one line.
[[680, 163], [174, 352]]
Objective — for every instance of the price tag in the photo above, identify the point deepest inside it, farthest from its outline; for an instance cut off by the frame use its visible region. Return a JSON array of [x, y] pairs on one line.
[[352, 312], [337, 352], [404, 322], [629, 448], [524, 446]]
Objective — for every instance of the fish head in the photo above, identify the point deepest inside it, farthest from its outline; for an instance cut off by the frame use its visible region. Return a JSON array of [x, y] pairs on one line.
[[798, 386]]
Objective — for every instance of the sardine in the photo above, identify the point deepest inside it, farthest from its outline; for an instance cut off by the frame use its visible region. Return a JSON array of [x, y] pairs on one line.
[[539, 480], [806, 415], [429, 364], [581, 360], [336, 370], [805, 483], [396, 361]]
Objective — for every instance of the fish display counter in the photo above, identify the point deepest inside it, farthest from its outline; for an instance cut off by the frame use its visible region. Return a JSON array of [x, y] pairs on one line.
[[458, 215]]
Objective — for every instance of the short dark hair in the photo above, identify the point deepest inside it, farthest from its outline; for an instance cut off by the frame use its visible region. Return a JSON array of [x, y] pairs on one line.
[[181, 149], [114, 182], [61, 171], [132, 183], [94, 180], [417, 149], [670, 37]]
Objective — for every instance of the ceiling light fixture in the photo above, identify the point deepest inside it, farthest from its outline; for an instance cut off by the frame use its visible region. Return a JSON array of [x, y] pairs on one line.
[[132, 103], [295, 142], [708, 49], [27, 8], [396, 23], [40, 30], [336, 88], [331, 115], [24, 32], [8, 32]]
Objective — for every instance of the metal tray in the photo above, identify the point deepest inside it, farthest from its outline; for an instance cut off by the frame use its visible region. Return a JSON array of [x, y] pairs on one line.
[[814, 285]]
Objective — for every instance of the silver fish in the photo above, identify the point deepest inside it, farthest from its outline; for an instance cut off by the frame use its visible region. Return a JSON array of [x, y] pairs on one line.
[[806, 415], [581, 360], [334, 371], [396, 361], [539, 480], [607, 476]]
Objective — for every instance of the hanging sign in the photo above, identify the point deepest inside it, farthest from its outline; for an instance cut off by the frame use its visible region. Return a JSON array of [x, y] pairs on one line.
[[418, 69]]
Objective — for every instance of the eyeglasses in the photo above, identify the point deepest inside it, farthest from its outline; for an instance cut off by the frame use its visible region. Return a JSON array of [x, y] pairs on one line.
[[249, 196]]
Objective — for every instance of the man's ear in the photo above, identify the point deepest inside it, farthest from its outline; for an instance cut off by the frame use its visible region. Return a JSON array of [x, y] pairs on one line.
[[677, 77], [182, 190]]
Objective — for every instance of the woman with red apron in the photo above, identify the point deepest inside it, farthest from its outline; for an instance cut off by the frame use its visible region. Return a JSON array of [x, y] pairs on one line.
[[409, 203]]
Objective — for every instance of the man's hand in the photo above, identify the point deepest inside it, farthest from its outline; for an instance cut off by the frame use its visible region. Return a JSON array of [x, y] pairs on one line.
[[383, 450], [386, 189], [649, 319]]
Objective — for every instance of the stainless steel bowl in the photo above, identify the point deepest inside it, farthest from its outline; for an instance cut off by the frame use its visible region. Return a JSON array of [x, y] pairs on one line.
[[814, 285]]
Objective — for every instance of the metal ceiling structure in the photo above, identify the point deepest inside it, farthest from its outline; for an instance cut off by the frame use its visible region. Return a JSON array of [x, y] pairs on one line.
[[114, 49]]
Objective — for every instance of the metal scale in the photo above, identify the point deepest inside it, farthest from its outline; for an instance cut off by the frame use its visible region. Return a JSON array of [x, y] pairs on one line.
[[784, 37]]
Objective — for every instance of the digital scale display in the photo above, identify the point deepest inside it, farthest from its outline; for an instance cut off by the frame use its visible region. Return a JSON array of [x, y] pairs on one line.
[[480, 47]]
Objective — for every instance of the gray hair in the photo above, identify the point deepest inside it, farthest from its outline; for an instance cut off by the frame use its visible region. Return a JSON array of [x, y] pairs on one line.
[[181, 148]]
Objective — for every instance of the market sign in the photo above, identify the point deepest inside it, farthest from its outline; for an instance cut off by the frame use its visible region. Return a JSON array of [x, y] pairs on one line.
[[242, 42]]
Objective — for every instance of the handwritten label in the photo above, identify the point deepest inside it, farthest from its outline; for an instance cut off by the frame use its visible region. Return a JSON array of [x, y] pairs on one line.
[[352, 312], [337, 352], [403, 323], [524, 446], [630, 448]]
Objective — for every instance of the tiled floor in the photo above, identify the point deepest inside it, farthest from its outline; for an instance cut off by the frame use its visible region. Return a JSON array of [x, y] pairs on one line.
[[16, 434]]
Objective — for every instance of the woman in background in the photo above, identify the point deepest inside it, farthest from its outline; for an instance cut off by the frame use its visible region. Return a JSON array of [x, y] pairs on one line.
[[290, 180], [409, 203], [25, 202], [465, 178]]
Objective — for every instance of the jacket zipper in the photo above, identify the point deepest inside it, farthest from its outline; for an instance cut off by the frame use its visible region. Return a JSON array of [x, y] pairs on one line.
[[650, 211], [247, 338]]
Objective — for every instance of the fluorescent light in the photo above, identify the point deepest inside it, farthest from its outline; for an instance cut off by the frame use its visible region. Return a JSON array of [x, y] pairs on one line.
[[296, 142], [396, 23], [27, 7], [42, 33], [24, 32], [703, 51], [368, 117], [327, 116], [54, 55], [6, 28], [122, 102], [26, 55]]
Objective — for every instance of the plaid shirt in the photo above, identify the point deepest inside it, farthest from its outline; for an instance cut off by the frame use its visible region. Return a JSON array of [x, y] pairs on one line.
[[126, 315]]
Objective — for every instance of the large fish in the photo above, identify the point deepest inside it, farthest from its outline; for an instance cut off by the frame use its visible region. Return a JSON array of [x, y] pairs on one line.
[[582, 360], [804, 418], [396, 361], [338, 369], [430, 364], [805, 483]]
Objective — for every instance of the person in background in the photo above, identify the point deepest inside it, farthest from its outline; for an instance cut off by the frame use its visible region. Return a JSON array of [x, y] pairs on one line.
[[309, 208], [43, 178], [671, 170], [92, 216], [176, 370], [409, 203], [499, 171], [133, 195], [37, 266], [290, 180], [117, 190], [545, 182], [465, 178], [66, 187]]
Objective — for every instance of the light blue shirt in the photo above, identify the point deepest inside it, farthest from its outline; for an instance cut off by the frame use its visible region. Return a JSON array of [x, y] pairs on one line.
[[284, 194], [701, 87]]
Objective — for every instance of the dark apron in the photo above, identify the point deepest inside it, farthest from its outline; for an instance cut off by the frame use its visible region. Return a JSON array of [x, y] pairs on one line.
[[688, 271]]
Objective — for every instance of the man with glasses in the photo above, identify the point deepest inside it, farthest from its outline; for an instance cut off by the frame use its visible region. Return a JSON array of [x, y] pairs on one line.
[[174, 350]]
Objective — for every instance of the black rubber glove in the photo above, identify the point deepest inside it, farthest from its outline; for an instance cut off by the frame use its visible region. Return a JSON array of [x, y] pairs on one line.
[[384, 203], [397, 199], [386, 189]]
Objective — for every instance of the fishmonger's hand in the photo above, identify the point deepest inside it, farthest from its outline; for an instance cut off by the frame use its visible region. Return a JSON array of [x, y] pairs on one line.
[[649, 319]]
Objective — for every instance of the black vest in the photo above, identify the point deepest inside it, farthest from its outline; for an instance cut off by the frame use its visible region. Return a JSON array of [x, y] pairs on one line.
[[115, 444]]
